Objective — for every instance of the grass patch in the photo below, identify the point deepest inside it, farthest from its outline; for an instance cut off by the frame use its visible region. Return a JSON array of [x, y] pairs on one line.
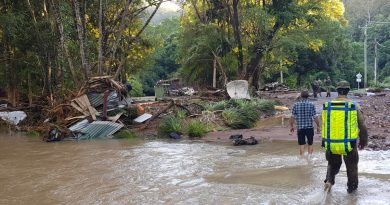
[[265, 106], [239, 118], [197, 128], [181, 114], [244, 114], [33, 133], [213, 106], [170, 123], [125, 134]]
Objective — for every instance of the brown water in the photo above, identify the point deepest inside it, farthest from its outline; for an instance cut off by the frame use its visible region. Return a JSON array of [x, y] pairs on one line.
[[177, 172]]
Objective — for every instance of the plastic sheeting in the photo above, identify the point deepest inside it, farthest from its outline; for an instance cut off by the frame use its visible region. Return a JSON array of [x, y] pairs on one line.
[[14, 117]]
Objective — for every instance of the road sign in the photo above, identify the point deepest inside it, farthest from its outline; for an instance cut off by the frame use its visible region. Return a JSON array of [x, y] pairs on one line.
[[359, 79]]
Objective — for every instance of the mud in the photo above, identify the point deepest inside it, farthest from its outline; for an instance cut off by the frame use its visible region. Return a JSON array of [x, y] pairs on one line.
[[377, 114]]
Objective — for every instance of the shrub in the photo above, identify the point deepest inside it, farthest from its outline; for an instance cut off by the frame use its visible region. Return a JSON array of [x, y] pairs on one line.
[[170, 123], [221, 105], [240, 118], [125, 134], [245, 113], [197, 128], [181, 114], [137, 90], [265, 106]]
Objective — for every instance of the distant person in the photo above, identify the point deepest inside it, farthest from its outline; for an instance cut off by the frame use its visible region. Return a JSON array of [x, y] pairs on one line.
[[303, 113], [314, 87], [328, 84], [342, 123], [319, 86]]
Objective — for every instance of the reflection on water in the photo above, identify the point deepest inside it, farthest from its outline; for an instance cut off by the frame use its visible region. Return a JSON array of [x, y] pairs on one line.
[[171, 172]]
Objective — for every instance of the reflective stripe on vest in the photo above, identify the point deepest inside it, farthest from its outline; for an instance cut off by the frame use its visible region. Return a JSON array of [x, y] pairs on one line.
[[339, 126]]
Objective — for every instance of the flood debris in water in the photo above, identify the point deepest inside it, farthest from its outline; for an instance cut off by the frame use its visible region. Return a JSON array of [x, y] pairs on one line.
[[238, 140]]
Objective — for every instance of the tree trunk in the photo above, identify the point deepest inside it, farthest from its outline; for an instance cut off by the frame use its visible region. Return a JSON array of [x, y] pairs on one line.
[[62, 41], [49, 79], [80, 32], [100, 43], [118, 36], [237, 36], [193, 2], [30, 93], [214, 72], [222, 69], [119, 70]]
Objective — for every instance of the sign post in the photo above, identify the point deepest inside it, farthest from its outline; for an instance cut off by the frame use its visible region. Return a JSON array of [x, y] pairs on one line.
[[359, 79]]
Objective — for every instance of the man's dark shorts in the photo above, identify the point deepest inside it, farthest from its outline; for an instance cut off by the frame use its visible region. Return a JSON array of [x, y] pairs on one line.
[[305, 133]]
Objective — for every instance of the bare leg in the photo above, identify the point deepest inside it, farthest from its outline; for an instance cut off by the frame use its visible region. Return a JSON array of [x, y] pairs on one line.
[[301, 149], [310, 149]]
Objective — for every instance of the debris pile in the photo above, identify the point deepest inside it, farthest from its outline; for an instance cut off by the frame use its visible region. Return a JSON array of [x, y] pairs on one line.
[[275, 86]]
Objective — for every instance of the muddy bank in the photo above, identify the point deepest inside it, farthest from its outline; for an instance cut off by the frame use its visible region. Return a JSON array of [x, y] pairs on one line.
[[377, 114], [267, 130]]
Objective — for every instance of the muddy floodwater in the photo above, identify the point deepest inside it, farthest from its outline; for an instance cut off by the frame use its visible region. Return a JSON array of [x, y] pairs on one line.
[[177, 172]]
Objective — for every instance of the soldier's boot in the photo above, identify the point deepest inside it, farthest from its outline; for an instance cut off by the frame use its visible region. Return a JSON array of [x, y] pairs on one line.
[[351, 188]]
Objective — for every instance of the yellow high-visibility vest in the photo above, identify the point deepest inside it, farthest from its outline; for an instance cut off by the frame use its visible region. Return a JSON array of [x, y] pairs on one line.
[[339, 126]]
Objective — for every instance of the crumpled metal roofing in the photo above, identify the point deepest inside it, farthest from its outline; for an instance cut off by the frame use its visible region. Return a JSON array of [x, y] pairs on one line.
[[79, 125], [99, 129], [96, 99]]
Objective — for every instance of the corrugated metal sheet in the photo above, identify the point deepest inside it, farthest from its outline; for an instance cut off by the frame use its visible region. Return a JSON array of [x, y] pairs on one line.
[[96, 99], [79, 125], [99, 129]]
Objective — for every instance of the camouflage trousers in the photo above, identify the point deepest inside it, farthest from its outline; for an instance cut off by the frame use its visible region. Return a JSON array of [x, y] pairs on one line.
[[351, 162]]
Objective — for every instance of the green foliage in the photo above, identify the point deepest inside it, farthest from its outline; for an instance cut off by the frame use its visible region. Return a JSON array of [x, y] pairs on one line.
[[244, 114], [387, 80], [137, 90], [265, 106], [125, 134], [213, 106], [163, 62], [170, 123], [239, 118], [33, 133], [196, 128], [181, 114]]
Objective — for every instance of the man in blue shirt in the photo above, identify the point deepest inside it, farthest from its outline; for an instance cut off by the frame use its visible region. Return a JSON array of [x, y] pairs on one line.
[[303, 113]]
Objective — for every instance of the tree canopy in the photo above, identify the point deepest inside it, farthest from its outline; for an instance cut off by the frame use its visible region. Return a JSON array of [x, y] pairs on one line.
[[49, 48]]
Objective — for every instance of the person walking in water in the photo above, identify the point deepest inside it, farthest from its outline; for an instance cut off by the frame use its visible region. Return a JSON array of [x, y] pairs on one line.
[[342, 125], [328, 83], [304, 112]]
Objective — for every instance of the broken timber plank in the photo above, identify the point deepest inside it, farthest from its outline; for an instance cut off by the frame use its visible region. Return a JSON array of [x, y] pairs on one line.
[[91, 109], [73, 104]]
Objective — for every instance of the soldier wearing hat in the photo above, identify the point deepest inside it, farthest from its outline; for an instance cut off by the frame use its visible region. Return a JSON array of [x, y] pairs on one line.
[[343, 132]]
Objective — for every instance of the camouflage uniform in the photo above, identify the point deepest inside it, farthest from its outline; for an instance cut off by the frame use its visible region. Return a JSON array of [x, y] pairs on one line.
[[328, 83]]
